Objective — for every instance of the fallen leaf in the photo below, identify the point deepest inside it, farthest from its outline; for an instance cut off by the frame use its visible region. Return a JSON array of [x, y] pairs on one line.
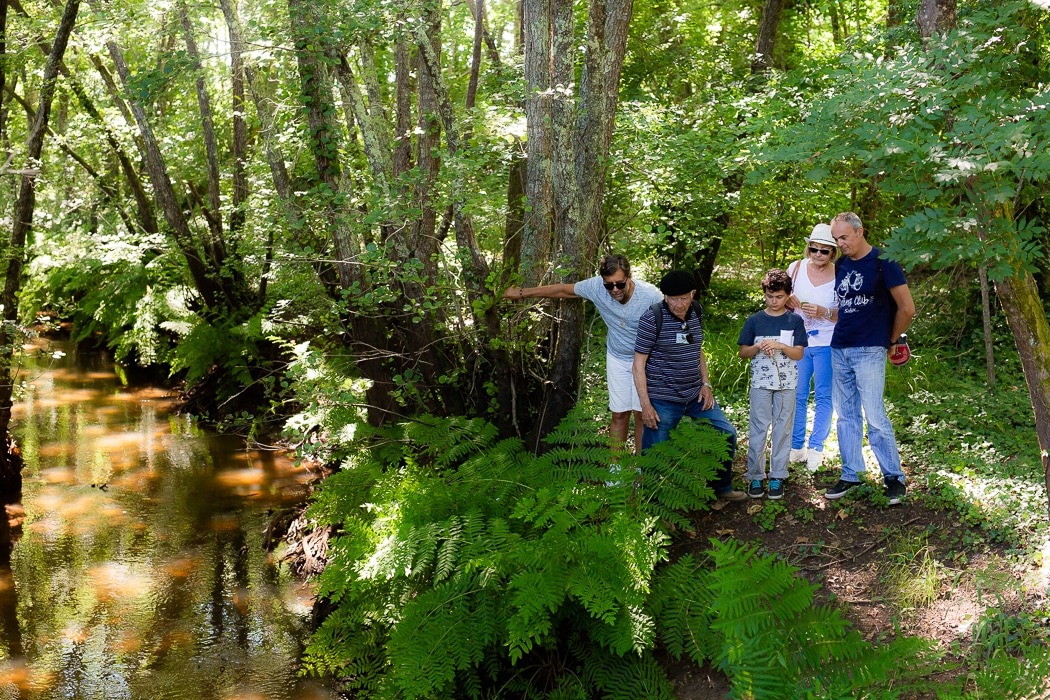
[[718, 505], [801, 540], [751, 510], [724, 533], [842, 514]]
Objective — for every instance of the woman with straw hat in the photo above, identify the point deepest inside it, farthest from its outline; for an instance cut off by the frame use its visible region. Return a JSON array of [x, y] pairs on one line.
[[813, 279]]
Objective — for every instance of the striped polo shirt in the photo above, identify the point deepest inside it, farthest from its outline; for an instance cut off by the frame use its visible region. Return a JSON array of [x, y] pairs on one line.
[[672, 372]]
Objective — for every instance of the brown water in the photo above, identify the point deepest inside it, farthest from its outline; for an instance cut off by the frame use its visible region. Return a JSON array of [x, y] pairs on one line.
[[141, 571]]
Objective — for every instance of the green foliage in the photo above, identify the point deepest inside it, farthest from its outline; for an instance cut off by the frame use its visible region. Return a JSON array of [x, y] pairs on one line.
[[471, 551], [118, 296], [467, 564], [912, 575], [954, 126], [766, 518], [755, 618], [999, 633], [977, 444]]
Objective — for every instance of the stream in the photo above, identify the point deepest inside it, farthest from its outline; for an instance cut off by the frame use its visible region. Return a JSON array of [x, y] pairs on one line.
[[140, 571]]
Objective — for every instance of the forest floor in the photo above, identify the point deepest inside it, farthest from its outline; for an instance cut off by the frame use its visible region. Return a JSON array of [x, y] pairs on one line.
[[908, 569]]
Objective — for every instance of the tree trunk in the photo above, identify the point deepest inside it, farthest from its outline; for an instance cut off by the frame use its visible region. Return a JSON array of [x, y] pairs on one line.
[[10, 465], [367, 333], [539, 184], [766, 41], [218, 297], [1028, 324], [568, 145], [986, 320], [240, 131], [215, 245], [935, 17]]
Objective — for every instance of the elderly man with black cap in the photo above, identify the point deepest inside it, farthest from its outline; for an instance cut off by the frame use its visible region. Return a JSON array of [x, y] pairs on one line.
[[670, 372]]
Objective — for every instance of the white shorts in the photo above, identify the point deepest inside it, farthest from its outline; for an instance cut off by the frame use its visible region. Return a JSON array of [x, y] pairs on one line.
[[623, 396]]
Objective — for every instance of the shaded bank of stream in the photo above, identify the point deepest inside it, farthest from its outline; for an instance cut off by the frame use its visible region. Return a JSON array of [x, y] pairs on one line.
[[141, 572]]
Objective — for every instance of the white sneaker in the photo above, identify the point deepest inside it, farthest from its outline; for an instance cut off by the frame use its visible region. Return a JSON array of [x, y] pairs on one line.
[[798, 455], [815, 460]]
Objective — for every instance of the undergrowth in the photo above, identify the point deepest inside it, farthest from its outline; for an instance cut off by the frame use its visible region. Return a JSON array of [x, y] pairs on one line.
[[468, 567]]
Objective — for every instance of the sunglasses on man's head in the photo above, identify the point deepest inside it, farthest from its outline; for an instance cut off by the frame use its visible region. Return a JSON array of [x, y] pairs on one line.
[[618, 285], [819, 251]]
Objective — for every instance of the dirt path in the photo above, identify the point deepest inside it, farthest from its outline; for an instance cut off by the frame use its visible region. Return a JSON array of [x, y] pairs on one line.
[[886, 567]]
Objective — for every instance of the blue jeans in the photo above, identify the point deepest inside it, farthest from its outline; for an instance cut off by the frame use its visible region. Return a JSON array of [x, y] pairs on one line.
[[671, 414], [816, 365], [860, 378]]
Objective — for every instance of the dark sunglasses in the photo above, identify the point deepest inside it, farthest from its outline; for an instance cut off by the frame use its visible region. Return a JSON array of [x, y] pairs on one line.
[[618, 285], [819, 251]]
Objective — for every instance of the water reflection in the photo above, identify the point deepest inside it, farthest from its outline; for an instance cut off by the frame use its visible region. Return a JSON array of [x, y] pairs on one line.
[[140, 572]]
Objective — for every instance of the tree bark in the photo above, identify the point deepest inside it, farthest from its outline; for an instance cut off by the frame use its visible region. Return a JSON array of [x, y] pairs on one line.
[[10, 467], [766, 41], [569, 134], [1028, 323], [986, 321], [538, 28], [935, 17], [216, 297], [215, 245], [240, 129]]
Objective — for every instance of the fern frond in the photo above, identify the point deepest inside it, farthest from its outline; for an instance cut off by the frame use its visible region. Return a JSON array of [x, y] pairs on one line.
[[680, 602]]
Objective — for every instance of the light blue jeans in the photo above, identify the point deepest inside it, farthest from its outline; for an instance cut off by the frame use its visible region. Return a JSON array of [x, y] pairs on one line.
[[816, 365], [860, 379]]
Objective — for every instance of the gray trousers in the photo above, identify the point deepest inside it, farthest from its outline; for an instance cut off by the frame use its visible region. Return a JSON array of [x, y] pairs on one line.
[[774, 407]]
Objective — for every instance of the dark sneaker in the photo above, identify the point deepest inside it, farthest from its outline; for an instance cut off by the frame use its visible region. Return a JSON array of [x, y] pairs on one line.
[[756, 490], [733, 496], [776, 489], [895, 490], [839, 490]]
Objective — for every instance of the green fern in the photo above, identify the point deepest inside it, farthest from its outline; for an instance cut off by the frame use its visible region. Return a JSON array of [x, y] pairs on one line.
[[468, 567], [776, 644]]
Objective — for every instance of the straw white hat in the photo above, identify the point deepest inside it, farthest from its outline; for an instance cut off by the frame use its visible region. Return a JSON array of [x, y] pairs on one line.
[[822, 234]]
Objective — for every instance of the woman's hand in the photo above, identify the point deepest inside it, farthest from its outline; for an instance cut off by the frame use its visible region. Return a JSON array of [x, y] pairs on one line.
[[792, 302], [812, 310]]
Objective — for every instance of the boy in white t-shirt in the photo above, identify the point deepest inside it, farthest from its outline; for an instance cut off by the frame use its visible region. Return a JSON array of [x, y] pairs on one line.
[[773, 340]]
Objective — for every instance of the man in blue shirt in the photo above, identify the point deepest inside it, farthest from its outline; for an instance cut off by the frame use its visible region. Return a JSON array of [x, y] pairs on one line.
[[875, 308]]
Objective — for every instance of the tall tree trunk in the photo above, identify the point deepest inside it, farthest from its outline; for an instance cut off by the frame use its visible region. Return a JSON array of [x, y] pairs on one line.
[[568, 143], [206, 279], [240, 130], [538, 27], [766, 41], [1027, 319], [215, 245], [10, 466], [935, 17], [986, 323], [367, 333]]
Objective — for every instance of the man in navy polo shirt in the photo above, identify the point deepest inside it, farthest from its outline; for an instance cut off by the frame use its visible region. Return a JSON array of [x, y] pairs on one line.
[[868, 290], [670, 373]]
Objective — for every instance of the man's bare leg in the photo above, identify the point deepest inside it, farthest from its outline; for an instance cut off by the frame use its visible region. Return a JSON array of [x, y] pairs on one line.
[[639, 429], [621, 421]]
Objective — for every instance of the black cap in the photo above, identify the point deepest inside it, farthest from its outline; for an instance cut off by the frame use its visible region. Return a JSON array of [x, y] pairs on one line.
[[677, 282]]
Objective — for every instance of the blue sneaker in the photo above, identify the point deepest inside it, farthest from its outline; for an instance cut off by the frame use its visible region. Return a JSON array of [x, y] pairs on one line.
[[776, 489], [756, 490]]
